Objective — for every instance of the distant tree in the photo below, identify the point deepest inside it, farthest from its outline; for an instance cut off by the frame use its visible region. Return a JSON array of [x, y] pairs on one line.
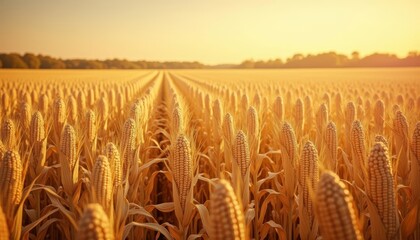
[[412, 59], [247, 64], [355, 56], [51, 63], [379, 60], [1, 64], [31, 60], [12, 60]]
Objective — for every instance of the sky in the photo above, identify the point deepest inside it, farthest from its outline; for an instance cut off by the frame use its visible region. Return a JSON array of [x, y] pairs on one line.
[[212, 32]]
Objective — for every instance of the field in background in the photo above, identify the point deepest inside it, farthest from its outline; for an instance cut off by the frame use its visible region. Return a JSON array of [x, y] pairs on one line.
[[210, 154]]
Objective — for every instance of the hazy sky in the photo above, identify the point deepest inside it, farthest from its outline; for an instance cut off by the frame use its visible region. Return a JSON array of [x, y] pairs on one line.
[[213, 31]]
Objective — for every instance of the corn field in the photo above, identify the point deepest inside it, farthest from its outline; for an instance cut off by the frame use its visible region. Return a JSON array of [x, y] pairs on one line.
[[208, 155]]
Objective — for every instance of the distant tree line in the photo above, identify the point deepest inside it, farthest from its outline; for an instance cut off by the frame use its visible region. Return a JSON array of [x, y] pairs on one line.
[[32, 61], [334, 60], [322, 60]]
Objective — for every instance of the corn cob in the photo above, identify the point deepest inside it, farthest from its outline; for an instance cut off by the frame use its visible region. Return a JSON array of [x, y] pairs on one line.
[[81, 100], [278, 108], [217, 112], [415, 162], [177, 122], [308, 114], [182, 167], [327, 100], [91, 126], [322, 116], [115, 163], [37, 129], [381, 188], [379, 116], [401, 143], [382, 139], [338, 100], [289, 154], [331, 146], [400, 125], [241, 152], [25, 116], [308, 176], [335, 209], [94, 224], [8, 134], [288, 141], [252, 123], [257, 101], [102, 181], [357, 141], [43, 104], [227, 220], [59, 113], [350, 114], [128, 145], [299, 113], [415, 143], [72, 109], [11, 183], [68, 159], [228, 129]]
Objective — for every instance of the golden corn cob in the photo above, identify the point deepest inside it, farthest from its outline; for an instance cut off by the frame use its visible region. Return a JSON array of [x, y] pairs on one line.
[[182, 167], [228, 129], [400, 129], [331, 145], [68, 159], [37, 139], [59, 114], [382, 139], [252, 123], [278, 108], [298, 115], [43, 104], [11, 183], [308, 176], [72, 109], [115, 163], [25, 116], [308, 113], [91, 126], [177, 122], [381, 188], [241, 152], [350, 117], [415, 162], [289, 158], [128, 145], [288, 141], [102, 182], [37, 129], [8, 134], [335, 209], [322, 117], [81, 100], [217, 112], [400, 125], [415, 143], [227, 220], [357, 141], [94, 224]]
